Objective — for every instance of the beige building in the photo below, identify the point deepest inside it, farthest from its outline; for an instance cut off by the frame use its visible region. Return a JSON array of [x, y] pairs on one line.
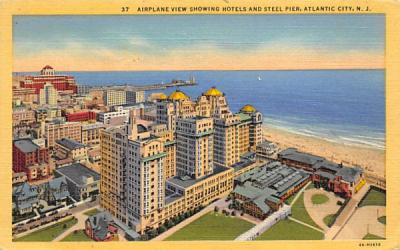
[[113, 143], [114, 97], [57, 130], [91, 133], [22, 116], [194, 146], [234, 134], [48, 95], [186, 159], [120, 97], [168, 138], [68, 148]]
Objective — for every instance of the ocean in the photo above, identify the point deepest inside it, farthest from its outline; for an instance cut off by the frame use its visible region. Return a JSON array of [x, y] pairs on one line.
[[346, 106]]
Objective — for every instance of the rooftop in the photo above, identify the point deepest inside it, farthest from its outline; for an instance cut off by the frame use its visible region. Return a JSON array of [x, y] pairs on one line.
[[186, 181], [70, 144], [293, 154], [76, 173], [213, 91], [248, 109], [178, 95], [269, 182], [26, 145]]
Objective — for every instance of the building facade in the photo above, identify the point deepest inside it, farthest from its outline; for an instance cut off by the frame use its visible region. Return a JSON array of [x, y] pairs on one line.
[[57, 130], [48, 75], [31, 159], [48, 95]]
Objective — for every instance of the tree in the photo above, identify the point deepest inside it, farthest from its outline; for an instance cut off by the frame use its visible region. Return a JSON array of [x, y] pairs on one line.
[[216, 209], [233, 213], [65, 226]]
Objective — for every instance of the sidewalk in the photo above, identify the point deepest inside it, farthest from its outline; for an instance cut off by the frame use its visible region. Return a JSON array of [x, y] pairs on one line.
[[346, 214], [305, 224]]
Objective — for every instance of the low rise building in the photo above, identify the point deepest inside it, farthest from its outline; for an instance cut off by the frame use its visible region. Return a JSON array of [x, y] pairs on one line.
[[334, 177], [81, 116], [262, 191], [68, 148], [23, 116], [19, 177], [82, 181], [106, 117], [31, 159], [266, 149], [100, 227], [58, 129], [24, 198], [55, 192]]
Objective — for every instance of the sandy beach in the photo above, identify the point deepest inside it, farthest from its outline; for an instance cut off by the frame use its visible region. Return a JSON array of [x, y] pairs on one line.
[[370, 159]]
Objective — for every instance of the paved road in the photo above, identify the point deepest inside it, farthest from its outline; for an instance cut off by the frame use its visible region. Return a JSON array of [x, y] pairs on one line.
[[305, 224], [48, 220], [347, 212], [79, 225]]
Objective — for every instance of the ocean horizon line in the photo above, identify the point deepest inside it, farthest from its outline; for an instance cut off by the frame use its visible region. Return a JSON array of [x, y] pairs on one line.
[[212, 70]]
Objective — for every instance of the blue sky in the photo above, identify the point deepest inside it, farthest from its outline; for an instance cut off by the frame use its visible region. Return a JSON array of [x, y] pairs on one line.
[[150, 37]]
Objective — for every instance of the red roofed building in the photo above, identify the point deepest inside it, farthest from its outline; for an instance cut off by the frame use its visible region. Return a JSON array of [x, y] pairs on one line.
[[81, 116], [31, 159], [47, 74]]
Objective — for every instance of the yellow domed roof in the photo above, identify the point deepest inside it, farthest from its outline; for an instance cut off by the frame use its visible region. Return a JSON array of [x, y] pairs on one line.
[[178, 95], [213, 91], [162, 96], [248, 109]]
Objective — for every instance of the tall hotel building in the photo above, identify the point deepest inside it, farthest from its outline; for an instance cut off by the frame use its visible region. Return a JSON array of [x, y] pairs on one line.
[[48, 95], [113, 97], [194, 140], [182, 161], [48, 75]]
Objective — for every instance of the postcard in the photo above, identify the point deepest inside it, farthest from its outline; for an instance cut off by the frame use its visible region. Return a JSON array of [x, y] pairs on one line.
[[201, 124]]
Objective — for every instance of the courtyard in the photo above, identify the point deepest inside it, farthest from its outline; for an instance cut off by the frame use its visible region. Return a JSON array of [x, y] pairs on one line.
[[290, 230], [212, 226]]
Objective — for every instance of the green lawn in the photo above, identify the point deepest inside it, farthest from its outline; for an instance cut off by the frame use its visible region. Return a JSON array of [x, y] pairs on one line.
[[212, 226], [49, 233], [91, 212], [290, 230], [299, 212], [372, 237], [382, 219], [79, 235], [310, 186], [374, 198], [317, 199], [329, 219]]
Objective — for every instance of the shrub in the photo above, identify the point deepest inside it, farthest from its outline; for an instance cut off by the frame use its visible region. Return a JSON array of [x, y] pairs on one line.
[[144, 237], [233, 213], [242, 213], [224, 212], [162, 229], [339, 203], [64, 226], [170, 224], [230, 206], [216, 209]]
